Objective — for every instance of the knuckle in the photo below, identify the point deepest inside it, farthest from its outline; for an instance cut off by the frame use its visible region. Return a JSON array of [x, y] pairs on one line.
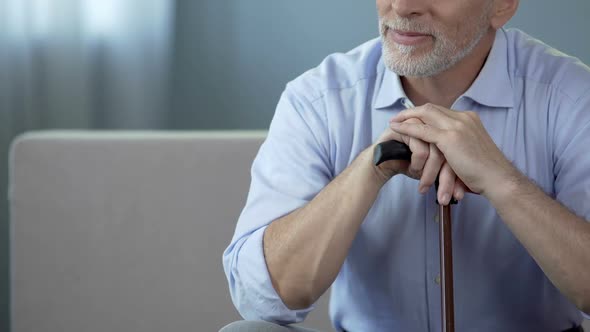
[[421, 154], [471, 115], [461, 126], [462, 123], [429, 107]]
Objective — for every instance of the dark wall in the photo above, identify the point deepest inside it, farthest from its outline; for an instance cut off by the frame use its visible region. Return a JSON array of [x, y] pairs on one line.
[[561, 24], [234, 57]]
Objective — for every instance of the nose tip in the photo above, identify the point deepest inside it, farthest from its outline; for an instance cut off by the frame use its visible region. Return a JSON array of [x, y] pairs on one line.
[[408, 8]]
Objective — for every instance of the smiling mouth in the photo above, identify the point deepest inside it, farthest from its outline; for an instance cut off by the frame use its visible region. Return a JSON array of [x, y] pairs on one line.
[[408, 38]]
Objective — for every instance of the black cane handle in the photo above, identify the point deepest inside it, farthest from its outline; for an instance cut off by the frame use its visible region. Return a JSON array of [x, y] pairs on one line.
[[391, 150], [394, 150]]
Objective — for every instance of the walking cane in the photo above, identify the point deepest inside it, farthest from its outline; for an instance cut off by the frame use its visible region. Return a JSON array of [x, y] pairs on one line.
[[394, 150]]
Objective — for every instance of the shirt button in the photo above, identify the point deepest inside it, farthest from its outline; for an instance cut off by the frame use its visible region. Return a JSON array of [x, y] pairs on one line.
[[437, 279], [436, 218]]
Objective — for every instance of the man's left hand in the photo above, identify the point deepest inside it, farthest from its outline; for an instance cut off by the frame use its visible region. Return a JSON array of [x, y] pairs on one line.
[[463, 140]]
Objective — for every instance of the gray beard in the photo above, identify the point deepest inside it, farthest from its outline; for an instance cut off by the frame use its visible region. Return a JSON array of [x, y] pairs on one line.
[[444, 56]]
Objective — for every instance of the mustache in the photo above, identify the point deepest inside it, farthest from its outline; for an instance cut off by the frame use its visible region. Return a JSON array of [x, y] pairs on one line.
[[404, 24]]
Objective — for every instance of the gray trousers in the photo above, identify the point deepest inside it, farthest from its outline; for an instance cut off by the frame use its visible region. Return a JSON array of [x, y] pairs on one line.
[[261, 326]]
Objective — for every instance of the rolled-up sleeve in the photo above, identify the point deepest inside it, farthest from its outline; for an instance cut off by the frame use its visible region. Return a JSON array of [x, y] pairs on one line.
[[291, 167]]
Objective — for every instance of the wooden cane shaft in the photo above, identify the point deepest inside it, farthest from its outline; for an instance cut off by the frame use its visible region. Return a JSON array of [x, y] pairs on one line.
[[446, 266]]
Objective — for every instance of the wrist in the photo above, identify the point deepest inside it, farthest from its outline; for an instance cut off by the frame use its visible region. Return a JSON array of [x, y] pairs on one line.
[[506, 186], [372, 173]]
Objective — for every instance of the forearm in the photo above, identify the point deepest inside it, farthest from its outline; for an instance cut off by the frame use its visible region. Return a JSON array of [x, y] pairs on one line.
[[305, 250], [557, 239]]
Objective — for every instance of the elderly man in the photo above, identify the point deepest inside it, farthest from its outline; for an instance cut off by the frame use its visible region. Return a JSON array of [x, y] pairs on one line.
[[501, 117]]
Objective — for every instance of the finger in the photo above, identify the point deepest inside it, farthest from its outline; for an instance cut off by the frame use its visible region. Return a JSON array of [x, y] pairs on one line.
[[389, 134], [429, 114], [448, 112], [446, 182], [423, 132], [459, 190], [431, 169], [420, 152]]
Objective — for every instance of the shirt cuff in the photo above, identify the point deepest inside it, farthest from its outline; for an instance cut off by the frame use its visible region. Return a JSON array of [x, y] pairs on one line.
[[265, 303]]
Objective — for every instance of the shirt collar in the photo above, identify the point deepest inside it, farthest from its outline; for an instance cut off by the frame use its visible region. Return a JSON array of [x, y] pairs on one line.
[[391, 90], [492, 87]]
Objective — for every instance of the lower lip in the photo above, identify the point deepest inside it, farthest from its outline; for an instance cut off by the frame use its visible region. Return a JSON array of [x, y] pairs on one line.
[[408, 40]]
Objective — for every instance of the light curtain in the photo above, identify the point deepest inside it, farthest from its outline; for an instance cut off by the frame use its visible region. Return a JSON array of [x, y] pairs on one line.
[[79, 64]]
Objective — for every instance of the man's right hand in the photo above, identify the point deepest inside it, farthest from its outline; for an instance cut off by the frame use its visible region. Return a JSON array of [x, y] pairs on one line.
[[426, 164]]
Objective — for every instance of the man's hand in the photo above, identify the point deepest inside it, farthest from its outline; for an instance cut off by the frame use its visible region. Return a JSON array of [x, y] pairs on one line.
[[426, 164], [560, 248], [464, 142]]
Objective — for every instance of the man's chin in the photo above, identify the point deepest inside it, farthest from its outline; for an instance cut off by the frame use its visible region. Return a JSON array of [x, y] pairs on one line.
[[411, 68]]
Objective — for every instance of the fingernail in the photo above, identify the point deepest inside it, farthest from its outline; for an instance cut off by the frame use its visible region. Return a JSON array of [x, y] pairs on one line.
[[446, 199], [394, 124], [423, 189]]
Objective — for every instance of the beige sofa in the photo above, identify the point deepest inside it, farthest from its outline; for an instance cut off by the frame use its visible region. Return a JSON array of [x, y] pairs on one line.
[[124, 231]]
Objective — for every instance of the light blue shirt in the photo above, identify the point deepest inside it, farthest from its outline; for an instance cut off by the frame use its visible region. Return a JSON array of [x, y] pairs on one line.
[[535, 104]]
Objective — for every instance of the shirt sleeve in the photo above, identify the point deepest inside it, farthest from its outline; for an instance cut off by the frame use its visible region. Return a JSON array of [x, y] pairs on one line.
[[291, 167], [572, 161]]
